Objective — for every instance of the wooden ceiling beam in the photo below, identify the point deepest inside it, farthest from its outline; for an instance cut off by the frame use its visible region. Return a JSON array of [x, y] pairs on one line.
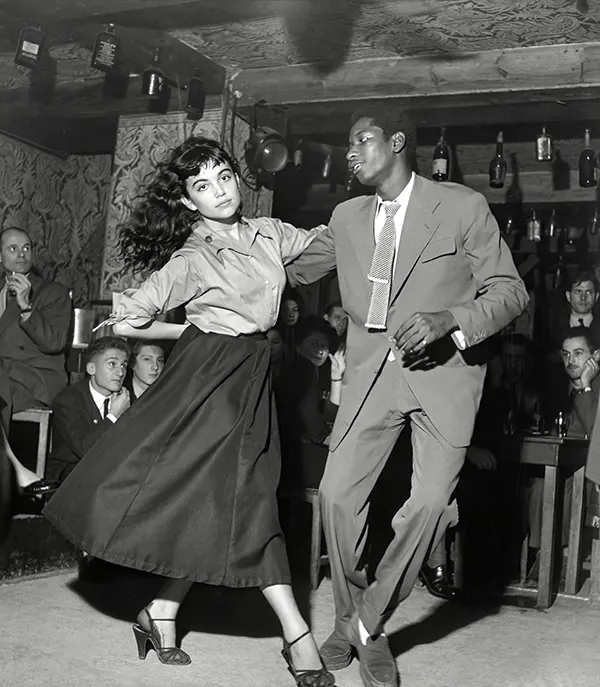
[[517, 70]]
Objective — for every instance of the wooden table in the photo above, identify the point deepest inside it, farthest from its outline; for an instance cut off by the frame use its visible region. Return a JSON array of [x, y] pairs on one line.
[[554, 453]]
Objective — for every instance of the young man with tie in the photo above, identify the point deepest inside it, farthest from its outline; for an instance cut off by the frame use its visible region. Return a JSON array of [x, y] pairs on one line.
[[425, 278], [84, 411]]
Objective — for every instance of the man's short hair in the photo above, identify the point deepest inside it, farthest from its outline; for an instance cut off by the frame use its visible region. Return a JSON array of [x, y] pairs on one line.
[[5, 231], [581, 332], [105, 343], [332, 306], [585, 275], [313, 324], [137, 345], [390, 119]]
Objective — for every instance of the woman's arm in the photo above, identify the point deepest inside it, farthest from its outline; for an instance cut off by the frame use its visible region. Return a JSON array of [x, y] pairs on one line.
[[154, 330]]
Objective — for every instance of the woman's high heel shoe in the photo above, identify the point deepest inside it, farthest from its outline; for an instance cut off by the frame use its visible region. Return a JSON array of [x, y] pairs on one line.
[[172, 656], [306, 678]]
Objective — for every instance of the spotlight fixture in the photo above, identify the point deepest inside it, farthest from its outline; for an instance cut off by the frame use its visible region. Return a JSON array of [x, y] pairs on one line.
[[106, 50], [266, 151], [154, 81], [30, 47]]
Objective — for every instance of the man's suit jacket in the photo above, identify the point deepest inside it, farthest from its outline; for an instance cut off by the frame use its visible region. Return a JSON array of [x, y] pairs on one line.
[[77, 425], [32, 351], [586, 407], [558, 327], [451, 257]]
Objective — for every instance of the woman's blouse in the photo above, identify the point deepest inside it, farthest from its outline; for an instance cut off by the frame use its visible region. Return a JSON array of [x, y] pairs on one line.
[[228, 286]]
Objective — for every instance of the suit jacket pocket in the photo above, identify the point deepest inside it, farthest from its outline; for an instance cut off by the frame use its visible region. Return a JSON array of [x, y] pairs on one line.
[[439, 248]]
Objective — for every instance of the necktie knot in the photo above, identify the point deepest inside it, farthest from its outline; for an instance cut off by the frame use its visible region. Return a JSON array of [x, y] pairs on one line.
[[391, 209]]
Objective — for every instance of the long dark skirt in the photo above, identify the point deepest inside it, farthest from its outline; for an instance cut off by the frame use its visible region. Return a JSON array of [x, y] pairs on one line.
[[184, 484]]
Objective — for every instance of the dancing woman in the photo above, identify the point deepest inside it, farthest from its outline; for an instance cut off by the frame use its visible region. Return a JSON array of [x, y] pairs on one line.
[[184, 485]]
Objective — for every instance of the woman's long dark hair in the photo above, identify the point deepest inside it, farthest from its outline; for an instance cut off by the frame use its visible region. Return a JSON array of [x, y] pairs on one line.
[[160, 223]]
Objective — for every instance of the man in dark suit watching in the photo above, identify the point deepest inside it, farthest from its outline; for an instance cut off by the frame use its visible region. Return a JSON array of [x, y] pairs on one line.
[[84, 411], [34, 324]]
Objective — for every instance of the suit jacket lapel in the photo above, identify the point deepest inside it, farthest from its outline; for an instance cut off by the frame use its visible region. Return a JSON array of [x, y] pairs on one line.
[[418, 228], [95, 414], [360, 234]]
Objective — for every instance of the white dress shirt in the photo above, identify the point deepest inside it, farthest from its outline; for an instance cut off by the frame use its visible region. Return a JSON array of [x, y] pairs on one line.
[[587, 320], [99, 401]]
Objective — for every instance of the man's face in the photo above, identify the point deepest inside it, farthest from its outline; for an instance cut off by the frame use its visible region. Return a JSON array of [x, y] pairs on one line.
[[275, 345], [315, 348], [370, 156], [107, 370], [16, 254], [290, 312], [149, 363], [338, 319], [582, 297], [575, 354]]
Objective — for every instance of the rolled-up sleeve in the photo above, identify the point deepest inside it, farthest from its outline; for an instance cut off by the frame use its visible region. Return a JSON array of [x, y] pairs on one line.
[[173, 285]]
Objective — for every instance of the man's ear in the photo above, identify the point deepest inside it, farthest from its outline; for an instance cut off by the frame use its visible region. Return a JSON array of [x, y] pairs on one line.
[[596, 355], [90, 368], [398, 142], [568, 297], [596, 299], [188, 204]]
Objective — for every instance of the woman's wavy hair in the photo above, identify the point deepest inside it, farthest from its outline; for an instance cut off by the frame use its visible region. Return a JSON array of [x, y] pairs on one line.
[[160, 223]]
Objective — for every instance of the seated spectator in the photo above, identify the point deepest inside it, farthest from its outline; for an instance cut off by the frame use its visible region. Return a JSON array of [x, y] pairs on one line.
[[145, 365], [580, 356], [307, 411], [34, 322], [84, 411], [337, 318], [276, 346]]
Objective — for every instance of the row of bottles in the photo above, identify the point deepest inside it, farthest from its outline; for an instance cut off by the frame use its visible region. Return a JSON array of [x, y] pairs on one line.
[[568, 233], [588, 161]]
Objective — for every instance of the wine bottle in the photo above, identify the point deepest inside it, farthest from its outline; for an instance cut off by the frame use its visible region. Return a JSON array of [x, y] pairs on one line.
[[326, 169], [543, 146], [553, 224], [153, 78], [588, 163], [558, 272], [593, 228], [498, 164], [441, 159], [534, 228], [106, 49]]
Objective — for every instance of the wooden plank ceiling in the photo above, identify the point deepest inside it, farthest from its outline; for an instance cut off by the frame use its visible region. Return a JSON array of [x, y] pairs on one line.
[[299, 51]]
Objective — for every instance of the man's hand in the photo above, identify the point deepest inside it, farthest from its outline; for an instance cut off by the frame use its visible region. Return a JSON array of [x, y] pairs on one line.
[[338, 364], [119, 403], [589, 372], [481, 458], [20, 287], [422, 329]]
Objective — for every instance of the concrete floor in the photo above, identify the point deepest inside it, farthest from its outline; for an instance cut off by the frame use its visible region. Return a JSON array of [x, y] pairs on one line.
[[58, 632]]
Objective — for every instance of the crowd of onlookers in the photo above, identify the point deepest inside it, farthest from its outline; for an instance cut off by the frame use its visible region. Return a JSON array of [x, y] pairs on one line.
[[533, 384]]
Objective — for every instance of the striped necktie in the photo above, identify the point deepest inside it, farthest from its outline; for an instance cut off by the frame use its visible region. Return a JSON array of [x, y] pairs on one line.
[[381, 270]]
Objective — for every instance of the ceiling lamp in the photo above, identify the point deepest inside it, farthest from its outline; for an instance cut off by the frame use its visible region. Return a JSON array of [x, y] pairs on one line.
[[267, 151]]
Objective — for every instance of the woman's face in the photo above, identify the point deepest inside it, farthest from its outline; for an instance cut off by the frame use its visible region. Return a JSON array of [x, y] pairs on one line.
[[276, 345], [290, 312], [149, 363], [315, 348], [214, 192]]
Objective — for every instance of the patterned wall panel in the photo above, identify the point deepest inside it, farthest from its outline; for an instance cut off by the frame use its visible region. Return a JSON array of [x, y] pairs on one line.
[[141, 142], [62, 204]]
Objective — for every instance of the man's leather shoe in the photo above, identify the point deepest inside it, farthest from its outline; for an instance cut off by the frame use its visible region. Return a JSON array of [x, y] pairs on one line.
[[437, 583], [336, 651], [377, 665]]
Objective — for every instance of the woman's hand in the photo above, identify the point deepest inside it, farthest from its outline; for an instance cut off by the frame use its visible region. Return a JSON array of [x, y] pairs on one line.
[[338, 364]]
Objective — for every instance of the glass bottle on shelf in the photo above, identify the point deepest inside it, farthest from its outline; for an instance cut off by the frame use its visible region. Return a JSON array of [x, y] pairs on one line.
[[106, 50], [534, 227], [497, 170], [153, 78], [593, 226], [552, 229], [441, 159], [30, 47], [543, 146], [588, 163]]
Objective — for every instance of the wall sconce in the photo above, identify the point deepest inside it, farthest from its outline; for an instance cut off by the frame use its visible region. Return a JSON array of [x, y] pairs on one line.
[[30, 47]]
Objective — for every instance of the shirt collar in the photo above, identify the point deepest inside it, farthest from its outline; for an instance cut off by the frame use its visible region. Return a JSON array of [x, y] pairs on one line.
[[217, 239], [587, 319], [98, 398], [402, 198]]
